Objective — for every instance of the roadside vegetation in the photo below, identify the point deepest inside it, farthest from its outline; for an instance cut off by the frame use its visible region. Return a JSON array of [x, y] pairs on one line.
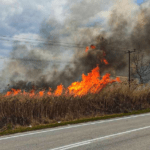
[[26, 111]]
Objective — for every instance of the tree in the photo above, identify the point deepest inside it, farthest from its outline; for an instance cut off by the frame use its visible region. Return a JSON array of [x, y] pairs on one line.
[[141, 66]]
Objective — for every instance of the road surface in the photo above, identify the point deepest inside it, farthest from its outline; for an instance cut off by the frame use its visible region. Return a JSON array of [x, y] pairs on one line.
[[126, 133]]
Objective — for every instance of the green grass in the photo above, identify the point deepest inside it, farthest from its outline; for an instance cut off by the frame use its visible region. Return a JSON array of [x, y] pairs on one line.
[[38, 127]]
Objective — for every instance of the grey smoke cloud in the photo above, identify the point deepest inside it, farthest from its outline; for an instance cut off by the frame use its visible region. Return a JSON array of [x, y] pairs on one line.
[[126, 26]]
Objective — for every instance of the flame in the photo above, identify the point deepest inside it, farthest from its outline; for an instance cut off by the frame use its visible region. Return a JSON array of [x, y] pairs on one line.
[[8, 93], [13, 91], [90, 83], [32, 92], [118, 79], [105, 61], [24, 92], [59, 90], [41, 93], [87, 48], [49, 92], [93, 47]]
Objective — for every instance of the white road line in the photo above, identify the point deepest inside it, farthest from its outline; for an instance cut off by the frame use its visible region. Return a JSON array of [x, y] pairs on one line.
[[74, 126], [96, 139]]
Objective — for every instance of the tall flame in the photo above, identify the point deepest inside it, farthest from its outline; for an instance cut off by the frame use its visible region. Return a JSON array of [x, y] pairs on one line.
[[59, 90], [90, 83]]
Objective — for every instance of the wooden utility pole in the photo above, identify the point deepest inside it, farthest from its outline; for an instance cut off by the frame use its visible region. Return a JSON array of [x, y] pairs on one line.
[[129, 52]]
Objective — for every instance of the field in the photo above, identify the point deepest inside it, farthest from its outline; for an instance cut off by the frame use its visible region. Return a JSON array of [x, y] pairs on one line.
[[21, 110]]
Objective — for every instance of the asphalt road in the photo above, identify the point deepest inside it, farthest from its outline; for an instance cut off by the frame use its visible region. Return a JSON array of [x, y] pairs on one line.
[[127, 133]]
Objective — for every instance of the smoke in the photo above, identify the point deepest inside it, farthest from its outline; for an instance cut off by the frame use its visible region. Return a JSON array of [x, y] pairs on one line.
[[112, 26]]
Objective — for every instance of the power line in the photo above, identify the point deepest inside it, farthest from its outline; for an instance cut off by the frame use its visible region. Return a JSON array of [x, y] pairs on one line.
[[55, 61], [54, 43], [38, 60], [36, 40], [61, 45]]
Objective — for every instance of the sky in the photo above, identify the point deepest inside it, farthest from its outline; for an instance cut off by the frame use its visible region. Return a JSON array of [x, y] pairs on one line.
[[140, 1], [23, 19]]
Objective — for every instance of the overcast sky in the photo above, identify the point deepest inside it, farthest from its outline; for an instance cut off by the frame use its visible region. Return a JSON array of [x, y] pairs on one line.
[[24, 18]]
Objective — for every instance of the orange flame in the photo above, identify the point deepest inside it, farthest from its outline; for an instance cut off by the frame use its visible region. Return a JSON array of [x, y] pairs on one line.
[[105, 61], [49, 92], [87, 48], [93, 47], [90, 83], [59, 90], [24, 92], [8, 93], [32, 93], [15, 92], [41, 93]]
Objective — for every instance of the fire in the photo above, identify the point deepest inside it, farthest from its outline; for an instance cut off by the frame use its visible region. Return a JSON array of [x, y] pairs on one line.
[[91, 83], [87, 48], [13, 91], [105, 61], [41, 93], [8, 93], [59, 90], [24, 92], [32, 93], [93, 47], [49, 92]]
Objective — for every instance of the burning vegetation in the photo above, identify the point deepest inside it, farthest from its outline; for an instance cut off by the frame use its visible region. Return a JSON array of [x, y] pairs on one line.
[[89, 84]]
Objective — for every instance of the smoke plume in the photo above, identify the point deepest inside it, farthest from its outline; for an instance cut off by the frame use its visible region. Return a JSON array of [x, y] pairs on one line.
[[113, 27]]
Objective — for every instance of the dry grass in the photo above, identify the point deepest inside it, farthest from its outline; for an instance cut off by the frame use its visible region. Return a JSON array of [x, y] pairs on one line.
[[116, 98]]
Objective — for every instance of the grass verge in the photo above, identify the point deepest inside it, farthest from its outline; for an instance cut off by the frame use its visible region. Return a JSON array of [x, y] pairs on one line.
[[38, 127]]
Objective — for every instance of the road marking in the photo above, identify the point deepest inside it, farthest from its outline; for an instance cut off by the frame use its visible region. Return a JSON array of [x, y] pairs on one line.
[[74, 126], [96, 139]]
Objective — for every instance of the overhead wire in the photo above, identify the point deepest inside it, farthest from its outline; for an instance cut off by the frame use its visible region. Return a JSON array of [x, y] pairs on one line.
[[38, 60], [48, 43]]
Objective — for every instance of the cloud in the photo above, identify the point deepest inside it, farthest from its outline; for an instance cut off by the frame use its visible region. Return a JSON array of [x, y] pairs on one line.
[[8, 2], [57, 8]]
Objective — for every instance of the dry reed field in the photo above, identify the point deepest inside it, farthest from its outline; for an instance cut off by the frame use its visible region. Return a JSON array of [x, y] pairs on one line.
[[21, 110]]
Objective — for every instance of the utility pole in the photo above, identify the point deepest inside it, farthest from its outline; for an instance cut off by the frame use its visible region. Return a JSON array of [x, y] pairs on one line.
[[129, 52]]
